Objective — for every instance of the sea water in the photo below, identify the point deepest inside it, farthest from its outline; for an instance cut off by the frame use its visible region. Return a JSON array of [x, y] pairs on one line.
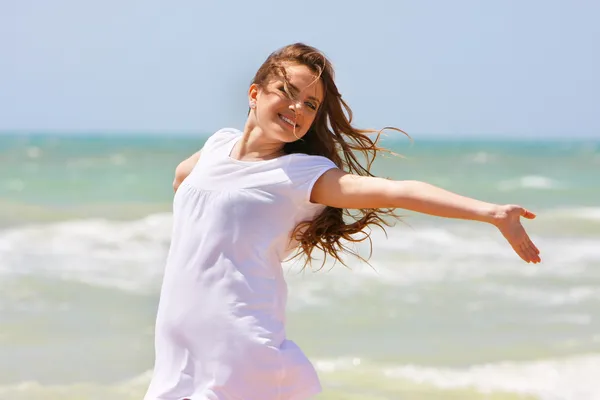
[[445, 310]]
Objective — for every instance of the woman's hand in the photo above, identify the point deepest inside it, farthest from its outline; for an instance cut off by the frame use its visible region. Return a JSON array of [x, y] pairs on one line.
[[507, 219]]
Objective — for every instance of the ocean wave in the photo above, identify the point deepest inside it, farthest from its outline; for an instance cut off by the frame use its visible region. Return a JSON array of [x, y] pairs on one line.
[[129, 389], [481, 157], [33, 152], [13, 185], [563, 379], [531, 182], [130, 255], [125, 254], [588, 214], [573, 378], [546, 297], [109, 159]]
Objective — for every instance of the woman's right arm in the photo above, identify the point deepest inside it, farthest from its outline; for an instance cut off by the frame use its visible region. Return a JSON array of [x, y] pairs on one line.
[[184, 168]]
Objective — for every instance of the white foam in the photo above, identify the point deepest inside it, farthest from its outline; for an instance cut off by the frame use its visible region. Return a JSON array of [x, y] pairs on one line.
[[464, 251], [409, 259], [531, 182], [543, 297], [573, 378], [128, 255], [572, 319], [130, 388], [338, 364], [117, 159], [131, 254], [33, 152], [584, 213], [481, 157], [14, 185]]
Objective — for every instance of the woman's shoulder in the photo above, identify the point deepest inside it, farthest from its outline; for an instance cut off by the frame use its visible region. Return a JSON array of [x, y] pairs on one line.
[[306, 167], [226, 133], [308, 160], [222, 136]]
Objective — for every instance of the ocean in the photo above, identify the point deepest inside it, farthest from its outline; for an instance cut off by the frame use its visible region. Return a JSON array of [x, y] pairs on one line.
[[445, 310]]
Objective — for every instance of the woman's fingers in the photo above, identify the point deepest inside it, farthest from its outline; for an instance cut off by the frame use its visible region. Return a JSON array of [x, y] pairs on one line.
[[534, 247], [527, 214], [534, 256], [516, 235], [523, 253], [529, 252]]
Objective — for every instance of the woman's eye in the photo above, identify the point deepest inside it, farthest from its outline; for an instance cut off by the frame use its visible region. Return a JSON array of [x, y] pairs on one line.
[[311, 105]]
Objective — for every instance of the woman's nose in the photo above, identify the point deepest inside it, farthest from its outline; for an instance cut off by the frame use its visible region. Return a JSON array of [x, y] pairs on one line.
[[296, 106]]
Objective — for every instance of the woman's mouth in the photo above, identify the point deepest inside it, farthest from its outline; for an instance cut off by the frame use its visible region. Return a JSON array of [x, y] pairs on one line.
[[288, 121]]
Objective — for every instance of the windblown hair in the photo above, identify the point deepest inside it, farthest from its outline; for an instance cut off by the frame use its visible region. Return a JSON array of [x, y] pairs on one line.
[[332, 136]]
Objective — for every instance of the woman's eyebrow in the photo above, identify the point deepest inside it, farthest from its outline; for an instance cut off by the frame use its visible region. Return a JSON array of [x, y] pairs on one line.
[[298, 91]]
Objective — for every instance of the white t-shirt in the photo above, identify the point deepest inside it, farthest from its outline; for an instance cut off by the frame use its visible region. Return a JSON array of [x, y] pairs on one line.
[[220, 329]]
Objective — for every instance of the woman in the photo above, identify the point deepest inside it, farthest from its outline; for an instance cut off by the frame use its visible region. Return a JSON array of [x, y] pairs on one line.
[[245, 203]]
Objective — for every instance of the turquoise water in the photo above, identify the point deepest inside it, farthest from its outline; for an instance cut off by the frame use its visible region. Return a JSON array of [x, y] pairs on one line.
[[446, 312]]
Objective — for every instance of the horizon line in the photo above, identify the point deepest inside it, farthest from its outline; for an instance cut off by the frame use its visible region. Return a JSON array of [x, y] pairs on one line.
[[190, 133]]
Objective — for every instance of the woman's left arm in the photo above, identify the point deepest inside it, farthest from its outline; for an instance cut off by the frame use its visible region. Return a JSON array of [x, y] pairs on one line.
[[336, 188]]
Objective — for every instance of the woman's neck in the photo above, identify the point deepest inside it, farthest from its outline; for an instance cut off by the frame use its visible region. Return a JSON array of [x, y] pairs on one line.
[[255, 145]]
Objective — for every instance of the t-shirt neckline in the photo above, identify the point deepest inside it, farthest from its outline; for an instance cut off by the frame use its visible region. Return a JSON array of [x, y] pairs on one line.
[[256, 162]]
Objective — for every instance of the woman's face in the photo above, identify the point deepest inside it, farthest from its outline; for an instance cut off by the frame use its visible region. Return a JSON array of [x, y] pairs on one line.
[[279, 116]]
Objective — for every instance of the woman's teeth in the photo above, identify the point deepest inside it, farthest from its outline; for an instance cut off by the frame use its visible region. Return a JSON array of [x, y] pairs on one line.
[[286, 119]]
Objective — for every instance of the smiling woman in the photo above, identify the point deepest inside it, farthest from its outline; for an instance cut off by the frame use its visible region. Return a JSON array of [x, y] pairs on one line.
[[252, 199], [296, 108], [286, 105]]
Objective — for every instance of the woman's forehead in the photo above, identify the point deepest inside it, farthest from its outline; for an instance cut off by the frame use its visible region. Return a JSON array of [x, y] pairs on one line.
[[302, 78]]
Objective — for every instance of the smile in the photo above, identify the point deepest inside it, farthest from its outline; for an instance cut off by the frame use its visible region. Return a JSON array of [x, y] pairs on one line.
[[287, 120]]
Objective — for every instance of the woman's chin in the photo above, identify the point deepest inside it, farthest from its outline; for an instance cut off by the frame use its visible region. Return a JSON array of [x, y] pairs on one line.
[[286, 133]]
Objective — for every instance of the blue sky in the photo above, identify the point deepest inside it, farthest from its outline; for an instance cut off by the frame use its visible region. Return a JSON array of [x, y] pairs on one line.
[[518, 68]]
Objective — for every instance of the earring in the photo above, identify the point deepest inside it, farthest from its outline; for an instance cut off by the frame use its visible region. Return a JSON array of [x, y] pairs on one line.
[[252, 104]]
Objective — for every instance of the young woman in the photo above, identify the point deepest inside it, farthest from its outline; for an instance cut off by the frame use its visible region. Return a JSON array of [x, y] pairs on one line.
[[246, 202]]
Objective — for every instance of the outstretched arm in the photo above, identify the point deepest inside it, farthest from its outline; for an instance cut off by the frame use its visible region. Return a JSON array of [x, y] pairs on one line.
[[338, 189]]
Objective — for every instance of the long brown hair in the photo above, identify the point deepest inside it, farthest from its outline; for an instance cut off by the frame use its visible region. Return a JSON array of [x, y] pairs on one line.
[[333, 136]]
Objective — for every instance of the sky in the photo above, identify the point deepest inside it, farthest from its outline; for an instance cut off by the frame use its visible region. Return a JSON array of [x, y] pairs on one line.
[[487, 68]]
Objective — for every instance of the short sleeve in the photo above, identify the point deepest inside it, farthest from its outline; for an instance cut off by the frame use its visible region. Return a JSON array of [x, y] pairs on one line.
[[304, 171], [219, 138]]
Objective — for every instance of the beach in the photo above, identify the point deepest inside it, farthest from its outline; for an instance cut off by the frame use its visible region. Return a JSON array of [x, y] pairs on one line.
[[445, 310]]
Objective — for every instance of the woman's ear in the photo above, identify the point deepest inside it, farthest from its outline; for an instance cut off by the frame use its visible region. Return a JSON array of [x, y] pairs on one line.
[[252, 94]]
